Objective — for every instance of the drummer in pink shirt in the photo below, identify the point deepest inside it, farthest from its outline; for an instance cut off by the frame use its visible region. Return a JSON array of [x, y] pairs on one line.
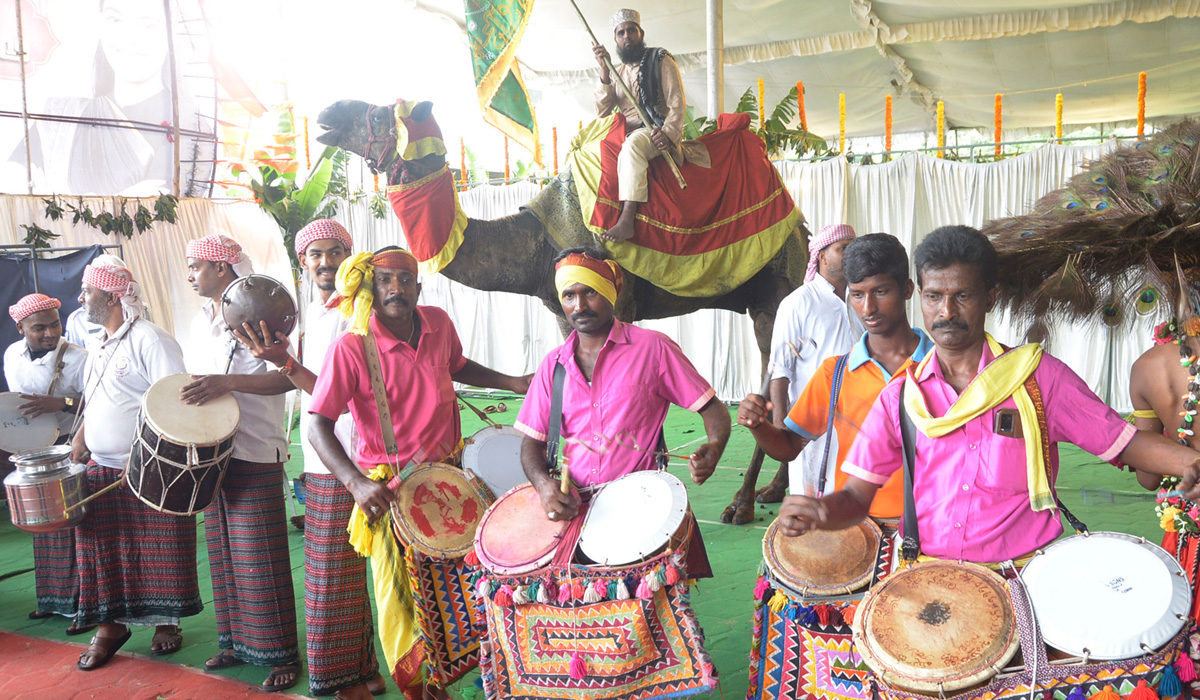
[[975, 498], [620, 382]]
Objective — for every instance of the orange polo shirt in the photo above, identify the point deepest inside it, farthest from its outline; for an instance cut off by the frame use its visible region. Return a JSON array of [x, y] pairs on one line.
[[863, 380]]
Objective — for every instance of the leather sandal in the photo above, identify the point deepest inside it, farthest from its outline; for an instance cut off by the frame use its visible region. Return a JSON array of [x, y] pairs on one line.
[[109, 650]]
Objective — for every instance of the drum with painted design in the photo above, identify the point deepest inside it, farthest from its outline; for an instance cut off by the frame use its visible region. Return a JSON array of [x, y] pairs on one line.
[[937, 627], [438, 508], [1107, 595]]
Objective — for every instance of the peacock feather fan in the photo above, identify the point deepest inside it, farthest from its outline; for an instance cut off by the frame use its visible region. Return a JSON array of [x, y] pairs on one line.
[[1105, 246]]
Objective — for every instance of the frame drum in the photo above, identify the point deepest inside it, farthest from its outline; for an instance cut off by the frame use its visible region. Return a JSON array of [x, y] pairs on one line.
[[181, 452], [1107, 595], [515, 536], [494, 455], [937, 627], [823, 562], [634, 517], [437, 510], [255, 298], [19, 433]]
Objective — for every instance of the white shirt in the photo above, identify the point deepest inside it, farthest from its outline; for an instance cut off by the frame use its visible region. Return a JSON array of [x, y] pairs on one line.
[[81, 331], [120, 369], [321, 327], [819, 324], [260, 436], [26, 375]]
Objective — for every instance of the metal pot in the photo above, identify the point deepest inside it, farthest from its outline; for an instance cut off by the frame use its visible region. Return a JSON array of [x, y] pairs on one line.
[[46, 491]]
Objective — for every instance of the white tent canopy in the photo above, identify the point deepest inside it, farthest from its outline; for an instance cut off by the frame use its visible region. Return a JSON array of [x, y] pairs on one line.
[[920, 51]]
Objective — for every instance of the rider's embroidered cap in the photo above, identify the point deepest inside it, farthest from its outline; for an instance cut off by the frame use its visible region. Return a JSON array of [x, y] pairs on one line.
[[622, 16]]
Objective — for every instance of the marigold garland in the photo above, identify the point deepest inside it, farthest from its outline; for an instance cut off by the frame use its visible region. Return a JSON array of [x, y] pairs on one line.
[[375, 176], [999, 119], [462, 168], [307, 162], [800, 105], [1058, 109], [1141, 105], [554, 144], [941, 128], [841, 122], [887, 125], [507, 170], [1176, 513], [762, 107]]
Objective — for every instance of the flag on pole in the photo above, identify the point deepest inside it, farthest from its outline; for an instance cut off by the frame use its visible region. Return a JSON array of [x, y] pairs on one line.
[[494, 30]]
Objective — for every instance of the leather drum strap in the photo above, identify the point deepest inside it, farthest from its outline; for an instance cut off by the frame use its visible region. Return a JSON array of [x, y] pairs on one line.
[[375, 373], [59, 363], [910, 544], [556, 399]]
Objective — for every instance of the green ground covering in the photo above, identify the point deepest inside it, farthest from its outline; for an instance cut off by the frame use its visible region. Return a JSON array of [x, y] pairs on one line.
[[1103, 497]]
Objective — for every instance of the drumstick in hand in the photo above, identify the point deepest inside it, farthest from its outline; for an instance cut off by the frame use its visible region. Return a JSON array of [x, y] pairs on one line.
[[566, 478]]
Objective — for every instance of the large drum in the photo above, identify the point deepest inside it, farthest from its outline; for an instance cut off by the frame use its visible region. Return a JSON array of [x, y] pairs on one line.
[[632, 518], [494, 455], [19, 433], [181, 452], [515, 536], [46, 490], [256, 298], [823, 562], [937, 627], [437, 510], [1107, 595]]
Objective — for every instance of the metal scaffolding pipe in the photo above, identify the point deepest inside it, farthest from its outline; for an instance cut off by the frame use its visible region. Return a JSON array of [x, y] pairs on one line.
[[716, 58]]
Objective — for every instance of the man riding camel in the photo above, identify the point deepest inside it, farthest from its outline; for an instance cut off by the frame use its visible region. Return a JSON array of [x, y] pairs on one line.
[[651, 74]]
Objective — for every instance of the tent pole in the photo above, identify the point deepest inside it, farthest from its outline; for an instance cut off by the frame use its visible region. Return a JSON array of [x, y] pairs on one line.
[[24, 100], [174, 97], [716, 58]]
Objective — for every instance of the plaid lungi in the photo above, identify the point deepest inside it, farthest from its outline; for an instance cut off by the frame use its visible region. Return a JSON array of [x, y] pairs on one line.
[[337, 608], [246, 529], [55, 578], [133, 561]]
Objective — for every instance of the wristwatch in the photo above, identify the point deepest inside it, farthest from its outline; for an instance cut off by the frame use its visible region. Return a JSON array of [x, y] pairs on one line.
[[70, 402]]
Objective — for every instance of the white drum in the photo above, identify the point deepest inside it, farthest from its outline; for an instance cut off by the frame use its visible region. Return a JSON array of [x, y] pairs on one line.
[[1107, 595], [20, 433], [494, 455], [633, 518]]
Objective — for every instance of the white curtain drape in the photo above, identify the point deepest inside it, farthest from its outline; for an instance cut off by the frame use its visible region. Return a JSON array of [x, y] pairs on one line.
[[908, 198]]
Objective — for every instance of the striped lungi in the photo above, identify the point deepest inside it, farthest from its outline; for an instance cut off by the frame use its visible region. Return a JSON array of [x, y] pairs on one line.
[[55, 578], [134, 562], [337, 609], [246, 529]]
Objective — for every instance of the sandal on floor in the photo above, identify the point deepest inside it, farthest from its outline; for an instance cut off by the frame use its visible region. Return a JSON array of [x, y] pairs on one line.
[[109, 651], [269, 687], [171, 642], [38, 615], [74, 630], [223, 660]]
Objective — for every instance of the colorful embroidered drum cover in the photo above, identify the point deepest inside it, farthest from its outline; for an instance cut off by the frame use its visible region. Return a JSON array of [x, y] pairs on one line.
[[823, 562], [437, 510], [937, 626], [445, 603], [515, 536], [1124, 595]]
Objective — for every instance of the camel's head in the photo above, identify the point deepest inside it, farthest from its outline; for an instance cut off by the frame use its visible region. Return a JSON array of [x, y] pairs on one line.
[[365, 129]]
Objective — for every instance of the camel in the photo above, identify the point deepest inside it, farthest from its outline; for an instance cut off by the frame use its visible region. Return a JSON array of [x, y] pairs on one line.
[[515, 253]]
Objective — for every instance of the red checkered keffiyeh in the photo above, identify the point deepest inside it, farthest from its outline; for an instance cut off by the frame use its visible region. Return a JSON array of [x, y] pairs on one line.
[[215, 248], [319, 230], [31, 304], [826, 237], [108, 273]]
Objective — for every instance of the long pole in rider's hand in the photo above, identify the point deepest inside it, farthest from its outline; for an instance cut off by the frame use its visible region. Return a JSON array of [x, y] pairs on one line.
[[612, 71]]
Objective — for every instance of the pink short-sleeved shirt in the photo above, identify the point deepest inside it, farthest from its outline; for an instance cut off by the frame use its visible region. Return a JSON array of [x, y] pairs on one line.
[[638, 375], [420, 392], [971, 486]]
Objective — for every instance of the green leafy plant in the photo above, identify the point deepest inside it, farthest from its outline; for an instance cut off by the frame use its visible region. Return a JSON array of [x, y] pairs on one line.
[[120, 223], [775, 132], [38, 237]]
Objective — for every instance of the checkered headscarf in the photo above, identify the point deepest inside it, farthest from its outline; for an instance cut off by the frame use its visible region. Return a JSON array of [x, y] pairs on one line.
[[31, 304], [219, 248], [109, 273], [320, 230], [826, 237]]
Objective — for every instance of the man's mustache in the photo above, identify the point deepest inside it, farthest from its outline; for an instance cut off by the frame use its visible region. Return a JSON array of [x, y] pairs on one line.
[[582, 315], [951, 324], [326, 270], [396, 300]]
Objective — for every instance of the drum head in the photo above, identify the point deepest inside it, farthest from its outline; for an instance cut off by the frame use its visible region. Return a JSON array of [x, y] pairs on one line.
[[255, 298], [938, 626], [20, 433], [172, 418], [823, 562], [515, 536], [494, 455], [632, 517], [1107, 593], [437, 510]]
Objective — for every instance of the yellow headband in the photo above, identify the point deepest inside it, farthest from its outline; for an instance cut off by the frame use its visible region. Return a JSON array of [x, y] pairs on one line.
[[356, 294], [568, 275]]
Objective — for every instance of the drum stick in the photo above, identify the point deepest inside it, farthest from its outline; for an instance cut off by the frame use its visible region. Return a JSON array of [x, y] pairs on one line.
[[566, 477], [482, 416], [612, 72], [96, 495]]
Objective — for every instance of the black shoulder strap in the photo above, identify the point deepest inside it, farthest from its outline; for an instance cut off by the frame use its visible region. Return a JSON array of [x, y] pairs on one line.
[[839, 371], [910, 545], [556, 399]]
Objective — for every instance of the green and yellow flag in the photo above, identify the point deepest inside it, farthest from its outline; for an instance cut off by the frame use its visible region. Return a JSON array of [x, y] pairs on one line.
[[494, 29]]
